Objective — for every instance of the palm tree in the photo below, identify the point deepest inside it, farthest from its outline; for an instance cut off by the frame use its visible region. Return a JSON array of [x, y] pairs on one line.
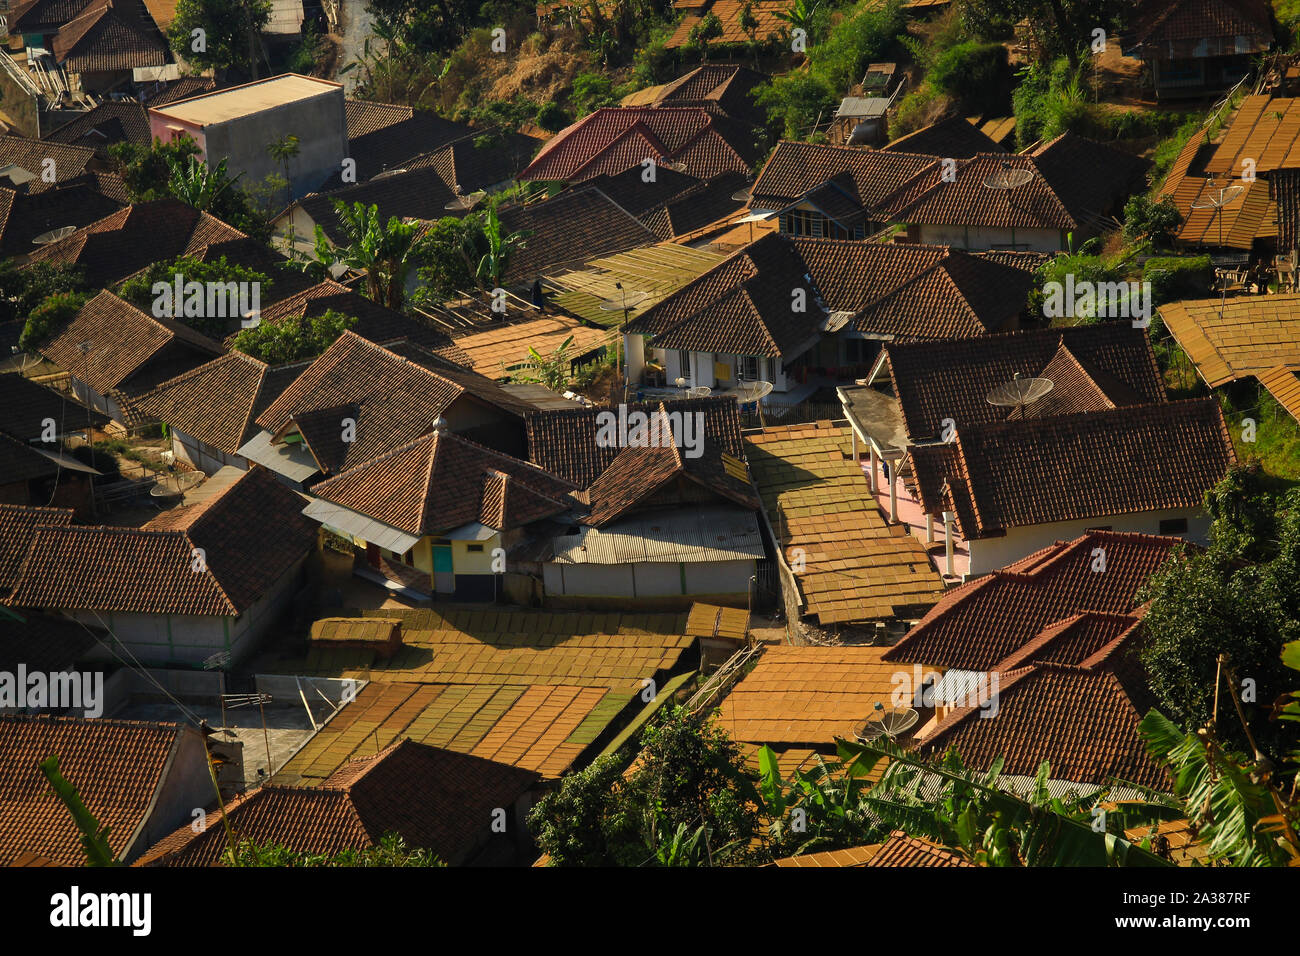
[[281, 151], [385, 251], [192, 182], [500, 245]]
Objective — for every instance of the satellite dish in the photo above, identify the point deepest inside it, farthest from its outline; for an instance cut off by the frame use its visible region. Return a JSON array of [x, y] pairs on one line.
[[465, 203], [1225, 196], [748, 392], [674, 165], [1019, 392], [17, 174], [387, 173], [699, 391], [885, 723], [54, 235], [1007, 177], [742, 195]]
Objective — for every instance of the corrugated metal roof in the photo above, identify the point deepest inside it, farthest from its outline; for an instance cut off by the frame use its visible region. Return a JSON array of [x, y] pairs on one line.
[[294, 463], [708, 534], [367, 529], [862, 106]]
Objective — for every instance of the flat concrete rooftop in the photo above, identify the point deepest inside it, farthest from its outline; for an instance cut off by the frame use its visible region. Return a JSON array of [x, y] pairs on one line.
[[209, 108]]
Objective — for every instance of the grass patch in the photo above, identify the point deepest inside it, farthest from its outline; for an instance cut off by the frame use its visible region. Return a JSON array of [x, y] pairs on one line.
[[1276, 433]]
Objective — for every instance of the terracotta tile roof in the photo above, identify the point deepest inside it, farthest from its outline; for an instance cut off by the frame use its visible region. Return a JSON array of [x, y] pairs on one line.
[[660, 474], [996, 617], [18, 524], [100, 40], [728, 13], [1028, 261], [1177, 28], [43, 642], [183, 88], [470, 166], [25, 216], [853, 856], [218, 403], [251, 535], [794, 169], [563, 441], [610, 140], [30, 154], [112, 121], [441, 482], [809, 696], [1252, 335], [720, 85], [28, 404], [903, 850], [415, 193], [856, 566], [474, 646], [961, 296], [133, 238], [950, 379], [36, 16], [1082, 720], [127, 346], [400, 391], [568, 230], [435, 799], [117, 767], [1175, 840], [744, 305], [954, 138], [501, 352], [1072, 467], [1074, 181], [384, 136], [374, 322]]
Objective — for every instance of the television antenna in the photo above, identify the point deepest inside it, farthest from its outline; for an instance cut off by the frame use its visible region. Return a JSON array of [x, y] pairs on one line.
[[624, 302], [885, 723], [54, 235], [1019, 392], [1216, 201], [177, 484]]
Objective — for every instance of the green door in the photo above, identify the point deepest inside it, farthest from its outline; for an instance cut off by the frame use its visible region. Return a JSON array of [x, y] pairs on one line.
[[442, 558]]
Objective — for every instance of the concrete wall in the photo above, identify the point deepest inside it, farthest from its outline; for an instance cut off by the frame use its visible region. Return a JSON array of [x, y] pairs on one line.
[[989, 554], [319, 124], [648, 579], [185, 787], [125, 686], [978, 239], [203, 456], [163, 639]]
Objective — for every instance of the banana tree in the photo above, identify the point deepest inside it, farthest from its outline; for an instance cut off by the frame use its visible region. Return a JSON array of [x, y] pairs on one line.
[[500, 246], [385, 252]]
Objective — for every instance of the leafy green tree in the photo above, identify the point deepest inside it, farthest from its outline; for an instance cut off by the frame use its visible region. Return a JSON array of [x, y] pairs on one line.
[[192, 182], [1240, 600], [138, 290], [23, 289], [229, 34], [147, 170], [968, 812], [293, 338], [390, 851], [453, 250], [55, 311], [1061, 27], [795, 102], [703, 33], [688, 801], [1146, 220], [975, 75], [385, 252]]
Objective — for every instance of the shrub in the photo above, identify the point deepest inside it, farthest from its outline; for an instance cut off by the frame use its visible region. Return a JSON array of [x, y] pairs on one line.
[[1178, 277], [52, 313], [552, 117], [974, 74], [293, 338], [794, 101]]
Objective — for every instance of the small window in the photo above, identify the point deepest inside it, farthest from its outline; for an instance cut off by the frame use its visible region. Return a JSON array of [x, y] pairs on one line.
[[1173, 526], [476, 548], [749, 368]]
